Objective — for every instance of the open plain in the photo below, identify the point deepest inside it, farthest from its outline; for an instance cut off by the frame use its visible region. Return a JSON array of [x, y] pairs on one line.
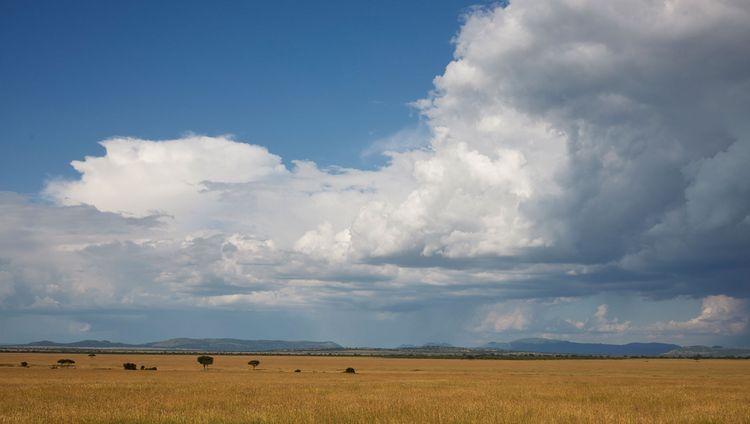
[[383, 390]]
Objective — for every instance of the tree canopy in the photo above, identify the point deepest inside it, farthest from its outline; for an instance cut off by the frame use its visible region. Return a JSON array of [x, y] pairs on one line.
[[205, 360]]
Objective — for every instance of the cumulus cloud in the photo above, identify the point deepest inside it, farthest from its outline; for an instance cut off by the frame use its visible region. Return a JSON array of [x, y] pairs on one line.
[[79, 327], [404, 140], [611, 86], [142, 176], [575, 147], [601, 323], [719, 315], [717, 195], [506, 318]]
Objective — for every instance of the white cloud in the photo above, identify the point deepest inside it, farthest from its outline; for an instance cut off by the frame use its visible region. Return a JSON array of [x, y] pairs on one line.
[[404, 140], [506, 317], [324, 242], [79, 327], [141, 177], [601, 323], [720, 314]]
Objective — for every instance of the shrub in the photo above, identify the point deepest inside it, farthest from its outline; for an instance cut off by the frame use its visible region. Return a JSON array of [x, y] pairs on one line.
[[65, 362], [24, 364], [349, 370], [129, 366], [91, 355], [254, 363], [297, 370]]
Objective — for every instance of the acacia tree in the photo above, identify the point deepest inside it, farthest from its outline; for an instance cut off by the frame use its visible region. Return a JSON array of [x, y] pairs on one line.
[[254, 363], [65, 362], [205, 361]]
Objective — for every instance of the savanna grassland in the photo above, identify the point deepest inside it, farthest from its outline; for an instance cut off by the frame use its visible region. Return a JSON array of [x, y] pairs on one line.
[[384, 390]]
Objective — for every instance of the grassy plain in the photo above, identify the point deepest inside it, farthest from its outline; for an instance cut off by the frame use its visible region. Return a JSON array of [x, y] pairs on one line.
[[384, 390]]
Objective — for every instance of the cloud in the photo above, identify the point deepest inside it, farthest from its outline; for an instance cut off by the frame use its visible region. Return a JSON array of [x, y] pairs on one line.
[[79, 327], [42, 251], [629, 149], [406, 139], [559, 134], [506, 318], [719, 315], [717, 195], [601, 323], [140, 177]]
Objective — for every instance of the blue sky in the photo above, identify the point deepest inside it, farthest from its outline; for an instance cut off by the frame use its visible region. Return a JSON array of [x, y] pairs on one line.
[[318, 81], [375, 173]]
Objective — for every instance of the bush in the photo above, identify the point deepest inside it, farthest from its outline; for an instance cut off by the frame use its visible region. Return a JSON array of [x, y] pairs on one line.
[[254, 363], [65, 362], [129, 366], [91, 355], [149, 368], [349, 370], [24, 364], [297, 370]]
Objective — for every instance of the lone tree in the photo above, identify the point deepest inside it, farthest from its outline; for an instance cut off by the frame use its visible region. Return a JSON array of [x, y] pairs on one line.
[[205, 361], [254, 363], [129, 366], [349, 370], [65, 362]]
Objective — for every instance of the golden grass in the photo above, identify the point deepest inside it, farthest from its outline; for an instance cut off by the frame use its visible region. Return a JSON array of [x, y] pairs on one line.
[[384, 390]]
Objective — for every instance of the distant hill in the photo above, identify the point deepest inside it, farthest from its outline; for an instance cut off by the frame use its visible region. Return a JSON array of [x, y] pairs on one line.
[[496, 346], [238, 345], [436, 345], [573, 348], [427, 346], [101, 344], [208, 345], [708, 352]]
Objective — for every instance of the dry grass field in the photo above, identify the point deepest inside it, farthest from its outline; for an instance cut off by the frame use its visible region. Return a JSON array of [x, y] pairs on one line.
[[384, 390]]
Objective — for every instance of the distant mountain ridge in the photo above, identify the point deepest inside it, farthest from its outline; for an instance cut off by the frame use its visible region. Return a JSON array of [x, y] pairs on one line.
[[429, 345], [573, 348], [214, 345], [102, 344], [239, 345], [531, 345], [708, 352]]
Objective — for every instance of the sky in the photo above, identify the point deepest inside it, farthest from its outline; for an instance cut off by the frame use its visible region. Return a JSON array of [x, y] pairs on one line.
[[309, 81], [375, 174]]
